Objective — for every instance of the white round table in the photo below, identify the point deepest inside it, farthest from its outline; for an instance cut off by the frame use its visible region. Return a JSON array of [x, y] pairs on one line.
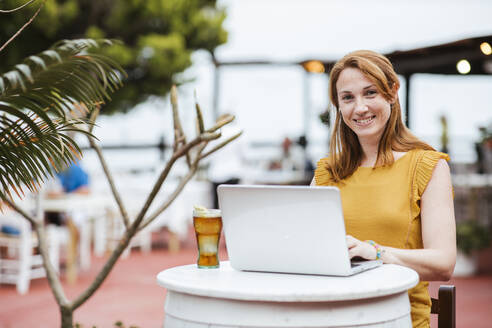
[[226, 297]]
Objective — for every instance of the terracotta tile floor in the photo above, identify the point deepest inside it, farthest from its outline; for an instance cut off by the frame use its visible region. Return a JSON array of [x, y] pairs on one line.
[[131, 294]]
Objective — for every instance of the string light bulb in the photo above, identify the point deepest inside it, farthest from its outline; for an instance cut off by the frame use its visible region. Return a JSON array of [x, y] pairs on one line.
[[463, 66], [486, 48], [314, 66]]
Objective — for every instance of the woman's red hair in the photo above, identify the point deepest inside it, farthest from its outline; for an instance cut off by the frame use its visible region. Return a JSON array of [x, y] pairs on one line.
[[345, 150]]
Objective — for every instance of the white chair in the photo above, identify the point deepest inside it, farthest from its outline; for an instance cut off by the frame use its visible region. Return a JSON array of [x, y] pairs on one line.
[[82, 224], [114, 230], [19, 260], [77, 207], [99, 233], [83, 211], [109, 229]]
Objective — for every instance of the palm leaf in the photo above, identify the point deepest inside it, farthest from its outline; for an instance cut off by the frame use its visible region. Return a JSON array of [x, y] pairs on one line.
[[41, 99]]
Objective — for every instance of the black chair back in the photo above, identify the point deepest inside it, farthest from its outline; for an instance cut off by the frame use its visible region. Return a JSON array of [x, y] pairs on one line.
[[445, 307]]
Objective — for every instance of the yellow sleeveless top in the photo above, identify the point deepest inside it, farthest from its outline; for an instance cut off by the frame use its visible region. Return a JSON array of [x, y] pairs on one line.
[[383, 204]]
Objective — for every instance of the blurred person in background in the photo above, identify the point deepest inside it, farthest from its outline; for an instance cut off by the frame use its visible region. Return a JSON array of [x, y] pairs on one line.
[[72, 180], [396, 190]]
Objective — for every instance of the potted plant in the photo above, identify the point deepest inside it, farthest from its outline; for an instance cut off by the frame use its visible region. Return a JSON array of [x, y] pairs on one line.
[[471, 236], [483, 150]]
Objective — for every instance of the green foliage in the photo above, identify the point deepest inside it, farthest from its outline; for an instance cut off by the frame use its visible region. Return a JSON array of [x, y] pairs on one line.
[[158, 37], [173, 46], [324, 117], [41, 99], [485, 133], [472, 236]]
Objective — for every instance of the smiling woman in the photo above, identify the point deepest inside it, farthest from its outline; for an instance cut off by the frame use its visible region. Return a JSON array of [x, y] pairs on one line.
[[363, 108], [395, 189], [368, 85]]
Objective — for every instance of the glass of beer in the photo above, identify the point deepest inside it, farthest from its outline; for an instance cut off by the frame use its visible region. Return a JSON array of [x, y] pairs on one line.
[[208, 226]]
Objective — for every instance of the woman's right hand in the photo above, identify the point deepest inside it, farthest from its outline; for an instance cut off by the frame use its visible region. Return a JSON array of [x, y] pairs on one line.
[[357, 248]]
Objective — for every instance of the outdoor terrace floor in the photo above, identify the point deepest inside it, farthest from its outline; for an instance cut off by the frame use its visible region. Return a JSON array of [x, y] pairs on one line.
[[131, 295]]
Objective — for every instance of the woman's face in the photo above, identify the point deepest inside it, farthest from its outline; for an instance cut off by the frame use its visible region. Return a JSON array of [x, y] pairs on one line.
[[363, 107]]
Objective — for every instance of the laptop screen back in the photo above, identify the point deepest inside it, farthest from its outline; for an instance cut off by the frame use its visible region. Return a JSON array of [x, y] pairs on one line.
[[292, 229]]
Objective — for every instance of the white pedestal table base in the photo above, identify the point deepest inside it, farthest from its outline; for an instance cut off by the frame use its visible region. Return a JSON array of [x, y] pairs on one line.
[[192, 311], [224, 297]]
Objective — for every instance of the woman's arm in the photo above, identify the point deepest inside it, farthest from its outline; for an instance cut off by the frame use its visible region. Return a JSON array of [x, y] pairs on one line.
[[436, 261]]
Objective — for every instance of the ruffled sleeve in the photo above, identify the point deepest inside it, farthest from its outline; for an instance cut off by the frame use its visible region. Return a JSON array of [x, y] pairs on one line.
[[321, 174], [425, 163]]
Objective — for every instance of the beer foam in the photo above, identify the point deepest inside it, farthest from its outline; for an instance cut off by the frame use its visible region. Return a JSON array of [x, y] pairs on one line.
[[203, 212]]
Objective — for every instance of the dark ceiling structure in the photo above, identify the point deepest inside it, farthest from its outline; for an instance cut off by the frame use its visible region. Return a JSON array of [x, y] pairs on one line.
[[471, 56], [443, 58]]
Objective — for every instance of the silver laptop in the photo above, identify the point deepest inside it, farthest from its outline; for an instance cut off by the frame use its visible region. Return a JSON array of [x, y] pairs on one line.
[[290, 229]]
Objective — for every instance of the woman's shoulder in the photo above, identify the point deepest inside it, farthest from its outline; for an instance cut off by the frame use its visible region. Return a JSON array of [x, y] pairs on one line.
[[323, 161], [322, 176], [425, 162], [426, 157]]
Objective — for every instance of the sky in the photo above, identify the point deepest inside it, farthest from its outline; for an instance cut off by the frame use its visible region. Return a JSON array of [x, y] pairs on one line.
[[295, 29], [271, 103]]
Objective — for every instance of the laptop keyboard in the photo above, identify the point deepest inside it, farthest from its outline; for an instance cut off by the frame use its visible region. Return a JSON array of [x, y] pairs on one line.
[[354, 264]]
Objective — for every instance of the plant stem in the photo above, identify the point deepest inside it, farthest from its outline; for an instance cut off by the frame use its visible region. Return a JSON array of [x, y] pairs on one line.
[[23, 27], [101, 276], [51, 274], [171, 197], [179, 136], [66, 317], [223, 121], [109, 177], [222, 144], [15, 9], [53, 279]]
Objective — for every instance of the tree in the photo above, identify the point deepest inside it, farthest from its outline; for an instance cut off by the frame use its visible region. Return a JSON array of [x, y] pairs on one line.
[[40, 99], [158, 37], [37, 98]]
